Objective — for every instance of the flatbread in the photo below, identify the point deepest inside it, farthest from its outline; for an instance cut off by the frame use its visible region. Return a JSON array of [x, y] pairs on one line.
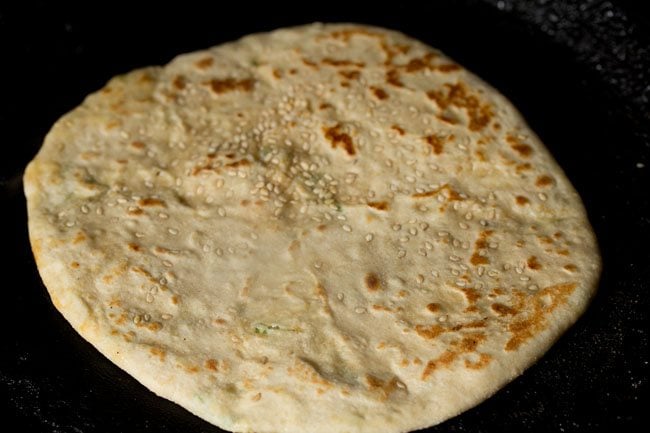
[[327, 228]]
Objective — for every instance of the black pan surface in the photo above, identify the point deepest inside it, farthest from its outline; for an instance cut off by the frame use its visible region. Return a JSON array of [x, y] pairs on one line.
[[578, 70]]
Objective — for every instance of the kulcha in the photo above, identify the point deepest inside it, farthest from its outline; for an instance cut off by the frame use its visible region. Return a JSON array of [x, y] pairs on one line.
[[327, 228]]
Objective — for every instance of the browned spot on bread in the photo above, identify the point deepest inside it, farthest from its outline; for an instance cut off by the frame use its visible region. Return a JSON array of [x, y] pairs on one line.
[[175, 299], [138, 144], [231, 84], [399, 130], [379, 93], [379, 205], [372, 282], [393, 78], [154, 326], [525, 166], [521, 200], [570, 267], [160, 353], [350, 75], [503, 310], [472, 295], [448, 67], [483, 361], [135, 212], [433, 307], [325, 105], [469, 343], [452, 195], [519, 146], [532, 317], [385, 388], [338, 138], [545, 180], [342, 62], [309, 63], [212, 364], [134, 247], [191, 369], [204, 63], [533, 263], [480, 244], [80, 237], [429, 331], [237, 164], [151, 202], [179, 82], [74, 265], [457, 95], [277, 73], [563, 252], [436, 143], [378, 307], [470, 325]]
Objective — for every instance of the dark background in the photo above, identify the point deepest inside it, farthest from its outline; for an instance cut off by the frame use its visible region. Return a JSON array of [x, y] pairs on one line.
[[578, 70]]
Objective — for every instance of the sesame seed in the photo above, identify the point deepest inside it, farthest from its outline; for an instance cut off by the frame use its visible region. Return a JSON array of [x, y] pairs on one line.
[[70, 224], [222, 212], [442, 319], [172, 231], [524, 278], [137, 319], [542, 196], [460, 283], [84, 208], [347, 228], [401, 253], [397, 227], [166, 316], [424, 226], [340, 296], [480, 270], [436, 274], [533, 287], [404, 239], [359, 310], [463, 226], [454, 258], [139, 235], [149, 298], [413, 231], [163, 215], [428, 245], [167, 263], [369, 237], [493, 273], [420, 279]]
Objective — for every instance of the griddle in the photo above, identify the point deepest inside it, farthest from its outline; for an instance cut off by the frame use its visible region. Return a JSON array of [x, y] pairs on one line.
[[578, 70]]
